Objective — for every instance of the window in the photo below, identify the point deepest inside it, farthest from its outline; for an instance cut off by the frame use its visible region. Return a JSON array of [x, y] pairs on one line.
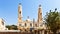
[[25, 24], [36, 25], [20, 12], [41, 25], [19, 24], [31, 24], [2, 23]]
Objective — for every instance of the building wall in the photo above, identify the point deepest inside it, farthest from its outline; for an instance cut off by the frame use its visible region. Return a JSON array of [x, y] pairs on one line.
[[2, 24]]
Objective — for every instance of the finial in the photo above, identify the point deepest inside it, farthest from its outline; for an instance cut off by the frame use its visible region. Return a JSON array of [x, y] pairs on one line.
[[33, 20], [28, 17], [19, 3], [55, 9], [50, 10], [39, 5]]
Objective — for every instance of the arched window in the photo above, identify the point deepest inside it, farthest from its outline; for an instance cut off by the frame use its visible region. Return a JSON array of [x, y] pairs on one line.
[[36, 25], [2, 23], [31, 24], [25, 24], [19, 24], [20, 12]]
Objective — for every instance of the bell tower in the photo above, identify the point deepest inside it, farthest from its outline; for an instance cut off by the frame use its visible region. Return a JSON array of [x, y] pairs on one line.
[[19, 15], [39, 14]]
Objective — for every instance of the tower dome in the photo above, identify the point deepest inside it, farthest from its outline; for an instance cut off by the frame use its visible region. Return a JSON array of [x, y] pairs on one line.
[[28, 19]]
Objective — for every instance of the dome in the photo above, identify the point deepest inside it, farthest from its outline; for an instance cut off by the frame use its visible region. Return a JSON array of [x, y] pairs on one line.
[[28, 19]]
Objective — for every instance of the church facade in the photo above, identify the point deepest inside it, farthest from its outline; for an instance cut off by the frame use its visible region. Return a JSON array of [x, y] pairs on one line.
[[30, 24]]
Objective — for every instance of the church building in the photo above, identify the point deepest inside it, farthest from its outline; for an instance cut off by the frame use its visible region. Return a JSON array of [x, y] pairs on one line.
[[30, 24]]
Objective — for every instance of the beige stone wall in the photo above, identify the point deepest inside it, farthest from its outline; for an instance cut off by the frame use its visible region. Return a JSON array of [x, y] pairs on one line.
[[2, 24]]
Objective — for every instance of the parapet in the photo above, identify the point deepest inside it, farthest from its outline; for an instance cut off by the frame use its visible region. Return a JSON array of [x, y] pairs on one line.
[[9, 30]]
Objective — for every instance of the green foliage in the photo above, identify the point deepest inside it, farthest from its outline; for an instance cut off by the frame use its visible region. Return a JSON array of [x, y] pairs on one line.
[[53, 21], [11, 27]]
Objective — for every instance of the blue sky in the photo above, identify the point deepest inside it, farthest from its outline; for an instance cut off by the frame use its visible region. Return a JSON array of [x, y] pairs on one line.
[[9, 9]]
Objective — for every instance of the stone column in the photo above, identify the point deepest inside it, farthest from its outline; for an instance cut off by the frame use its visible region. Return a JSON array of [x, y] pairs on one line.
[[42, 31], [47, 33]]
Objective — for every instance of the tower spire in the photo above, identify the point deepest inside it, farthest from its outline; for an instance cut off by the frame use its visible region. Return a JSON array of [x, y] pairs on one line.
[[28, 17], [39, 14], [19, 15], [39, 5], [19, 3], [19, 12]]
